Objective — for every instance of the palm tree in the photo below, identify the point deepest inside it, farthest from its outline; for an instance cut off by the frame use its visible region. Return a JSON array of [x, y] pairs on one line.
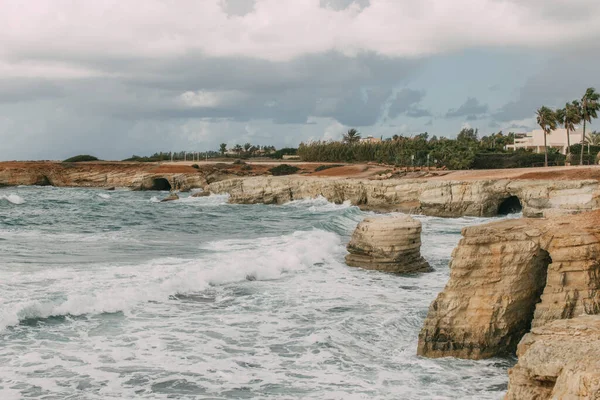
[[352, 136], [590, 105], [223, 148], [569, 117], [593, 138], [546, 119]]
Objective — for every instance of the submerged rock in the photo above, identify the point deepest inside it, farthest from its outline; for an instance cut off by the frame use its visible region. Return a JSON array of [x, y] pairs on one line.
[[391, 244], [508, 276], [171, 197], [560, 360], [200, 194]]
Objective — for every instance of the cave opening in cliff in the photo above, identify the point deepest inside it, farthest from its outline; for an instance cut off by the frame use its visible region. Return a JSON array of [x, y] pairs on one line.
[[160, 184], [510, 205], [537, 279]]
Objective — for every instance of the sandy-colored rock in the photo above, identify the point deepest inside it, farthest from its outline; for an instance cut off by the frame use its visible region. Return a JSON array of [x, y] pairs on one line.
[[560, 360], [170, 197], [510, 275], [200, 194], [442, 198], [136, 176], [391, 244]]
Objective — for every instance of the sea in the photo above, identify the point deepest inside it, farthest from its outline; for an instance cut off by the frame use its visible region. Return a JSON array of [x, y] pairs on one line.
[[116, 295]]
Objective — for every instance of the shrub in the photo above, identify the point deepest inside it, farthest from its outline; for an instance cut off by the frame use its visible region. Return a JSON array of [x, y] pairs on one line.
[[324, 167], [238, 162], [288, 151], [517, 159], [284, 169], [81, 158], [195, 166], [246, 167]]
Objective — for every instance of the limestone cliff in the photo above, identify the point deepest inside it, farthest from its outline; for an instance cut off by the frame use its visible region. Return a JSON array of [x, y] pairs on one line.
[[445, 198], [510, 275], [137, 176], [560, 360], [391, 244]]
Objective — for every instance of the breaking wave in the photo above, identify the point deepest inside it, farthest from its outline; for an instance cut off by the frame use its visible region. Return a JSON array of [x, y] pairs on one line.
[[13, 198], [105, 290]]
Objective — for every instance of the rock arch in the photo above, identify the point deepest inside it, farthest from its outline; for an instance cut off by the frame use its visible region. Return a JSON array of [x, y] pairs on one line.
[[509, 276], [510, 205]]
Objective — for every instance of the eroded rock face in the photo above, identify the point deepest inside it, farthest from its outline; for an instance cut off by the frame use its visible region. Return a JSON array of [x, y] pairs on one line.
[[391, 244], [560, 360], [200, 194], [136, 176], [443, 198], [510, 275]]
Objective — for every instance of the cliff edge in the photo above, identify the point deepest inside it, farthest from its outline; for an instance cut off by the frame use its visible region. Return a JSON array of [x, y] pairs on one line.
[[509, 276]]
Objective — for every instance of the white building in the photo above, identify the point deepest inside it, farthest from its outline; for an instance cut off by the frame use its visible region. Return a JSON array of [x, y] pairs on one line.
[[369, 139], [534, 140]]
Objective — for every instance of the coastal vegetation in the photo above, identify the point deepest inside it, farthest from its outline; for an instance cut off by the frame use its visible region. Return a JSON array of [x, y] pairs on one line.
[[81, 158], [284, 169], [327, 166]]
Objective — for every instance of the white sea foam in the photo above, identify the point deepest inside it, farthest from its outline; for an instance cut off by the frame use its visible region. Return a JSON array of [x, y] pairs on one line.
[[212, 200], [154, 199], [103, 291], [105, 196], [318, 204], [13, 198]]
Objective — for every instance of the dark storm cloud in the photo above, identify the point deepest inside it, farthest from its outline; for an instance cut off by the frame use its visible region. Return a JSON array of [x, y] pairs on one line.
[[407, 103], [343, 4], [237, 7], [562, 79], [22, 90], [351, 90], [471, 108]]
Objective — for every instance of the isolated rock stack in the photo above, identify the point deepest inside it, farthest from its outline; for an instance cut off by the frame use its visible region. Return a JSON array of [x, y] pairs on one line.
[[391, 244]]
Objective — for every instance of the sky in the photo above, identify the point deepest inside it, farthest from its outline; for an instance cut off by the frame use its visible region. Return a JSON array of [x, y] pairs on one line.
[[117, 78]]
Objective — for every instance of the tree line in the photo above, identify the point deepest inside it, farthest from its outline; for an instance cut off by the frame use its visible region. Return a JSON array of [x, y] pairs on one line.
[[419, 150]]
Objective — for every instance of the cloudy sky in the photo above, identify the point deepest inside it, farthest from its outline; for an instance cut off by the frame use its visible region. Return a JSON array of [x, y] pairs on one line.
[[114, 78]]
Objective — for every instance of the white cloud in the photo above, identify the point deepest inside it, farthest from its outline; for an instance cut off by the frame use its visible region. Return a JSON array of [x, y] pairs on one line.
[[208, 99], [279, 30]]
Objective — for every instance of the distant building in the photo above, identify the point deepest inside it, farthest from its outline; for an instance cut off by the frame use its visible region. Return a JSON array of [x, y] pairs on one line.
[[534, 140], [370, 139]]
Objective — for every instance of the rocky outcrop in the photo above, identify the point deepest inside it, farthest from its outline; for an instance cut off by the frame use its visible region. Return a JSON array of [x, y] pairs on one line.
[[560, 360], [171, 197], [391, 244], [200, 194], [444, 198], [508, 276]]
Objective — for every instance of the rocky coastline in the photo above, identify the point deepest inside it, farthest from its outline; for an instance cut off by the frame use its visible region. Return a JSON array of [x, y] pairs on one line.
[[434, 197], [530, 285]]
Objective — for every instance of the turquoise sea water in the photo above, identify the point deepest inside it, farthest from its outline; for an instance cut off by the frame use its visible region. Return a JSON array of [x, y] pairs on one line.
[[114, 295]]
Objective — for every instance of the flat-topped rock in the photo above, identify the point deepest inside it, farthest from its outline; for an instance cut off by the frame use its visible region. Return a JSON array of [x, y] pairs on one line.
[[560, 360], [391, 244]]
